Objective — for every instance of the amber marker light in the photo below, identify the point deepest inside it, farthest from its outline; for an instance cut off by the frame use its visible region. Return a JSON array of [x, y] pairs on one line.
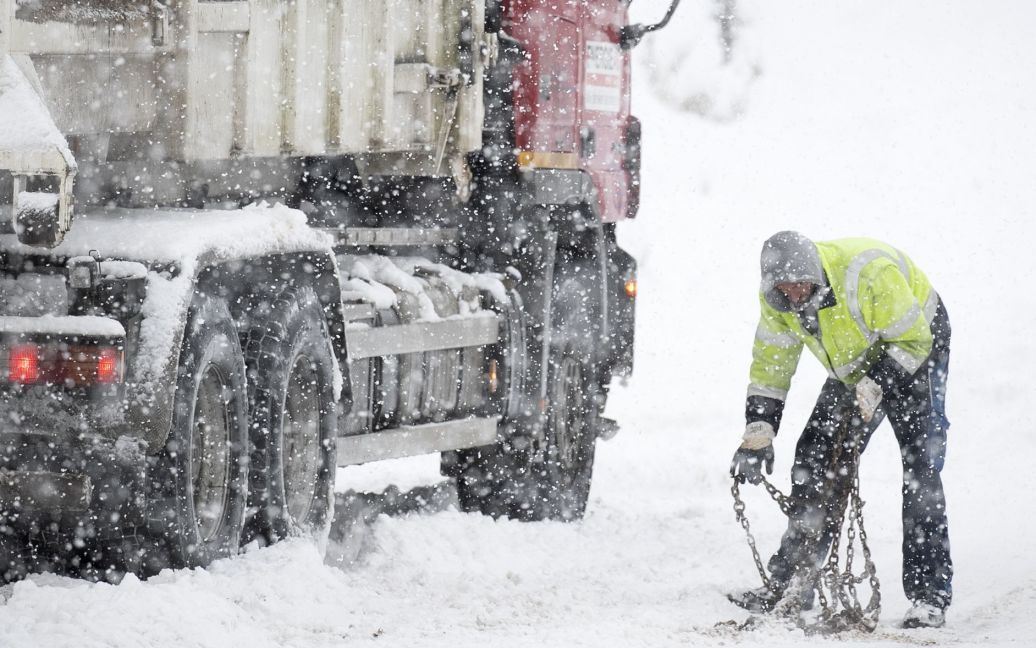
[[631, 288], [494, 384]]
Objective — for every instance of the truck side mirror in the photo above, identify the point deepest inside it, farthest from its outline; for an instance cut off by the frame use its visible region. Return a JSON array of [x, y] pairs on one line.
[[42, 209], [630, 35]]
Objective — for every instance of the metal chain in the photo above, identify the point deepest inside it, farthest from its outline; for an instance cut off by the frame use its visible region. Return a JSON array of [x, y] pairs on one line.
[[739, 512], [830, 573], [853, 614], [841, 584], [873, 609], [782, 500]]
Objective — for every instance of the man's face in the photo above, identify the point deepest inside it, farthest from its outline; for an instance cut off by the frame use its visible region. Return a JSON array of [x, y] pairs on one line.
[[798, 292]]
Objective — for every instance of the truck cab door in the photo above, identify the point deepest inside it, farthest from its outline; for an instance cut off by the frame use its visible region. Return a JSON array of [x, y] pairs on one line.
[[546, 95], [605, 106]]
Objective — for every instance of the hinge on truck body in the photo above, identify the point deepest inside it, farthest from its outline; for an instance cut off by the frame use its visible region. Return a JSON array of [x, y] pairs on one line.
[[416, 78], [392, 236]]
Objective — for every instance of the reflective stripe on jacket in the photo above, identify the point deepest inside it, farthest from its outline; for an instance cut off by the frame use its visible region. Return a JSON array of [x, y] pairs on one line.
[[881, 300]]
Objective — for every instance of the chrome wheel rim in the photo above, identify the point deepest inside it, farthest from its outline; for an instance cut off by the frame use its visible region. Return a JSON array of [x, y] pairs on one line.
[[210, 454], [568, 412]]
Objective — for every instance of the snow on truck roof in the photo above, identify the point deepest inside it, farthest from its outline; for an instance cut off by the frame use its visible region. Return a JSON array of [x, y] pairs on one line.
[[29, 140]]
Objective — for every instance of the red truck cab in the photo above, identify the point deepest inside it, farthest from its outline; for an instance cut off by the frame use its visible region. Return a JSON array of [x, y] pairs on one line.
[[572, 96]]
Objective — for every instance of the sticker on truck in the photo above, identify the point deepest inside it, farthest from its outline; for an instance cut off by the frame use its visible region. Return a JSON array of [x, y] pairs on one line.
[[602, 85]]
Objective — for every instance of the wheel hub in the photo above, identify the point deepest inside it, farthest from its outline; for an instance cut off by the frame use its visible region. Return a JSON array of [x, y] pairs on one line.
[[210, 454], [301, 439], [568, 412]]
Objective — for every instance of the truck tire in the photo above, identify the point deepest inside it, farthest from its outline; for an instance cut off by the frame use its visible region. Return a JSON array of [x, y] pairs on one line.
[[294, 420], [512, 480], [197, 484], [571, 437], [517, 480]]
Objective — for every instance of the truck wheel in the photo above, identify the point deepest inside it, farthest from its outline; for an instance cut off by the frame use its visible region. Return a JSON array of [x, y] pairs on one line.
[[573, 390], [197, 486], [515, 481], [570, 437], [294, 420], [551, 482]]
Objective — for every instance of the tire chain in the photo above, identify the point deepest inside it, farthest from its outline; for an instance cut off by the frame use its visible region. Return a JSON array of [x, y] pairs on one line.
[[841, 584]]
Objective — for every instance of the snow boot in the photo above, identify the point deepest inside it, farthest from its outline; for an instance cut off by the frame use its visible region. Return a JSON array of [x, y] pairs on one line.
[[924, 615], [763, 599]]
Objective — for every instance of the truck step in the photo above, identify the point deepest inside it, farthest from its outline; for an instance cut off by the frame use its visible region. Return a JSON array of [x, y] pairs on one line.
[[411, 440]]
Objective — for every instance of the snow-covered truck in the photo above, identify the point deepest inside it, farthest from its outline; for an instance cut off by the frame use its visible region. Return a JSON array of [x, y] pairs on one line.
[[246, 242]]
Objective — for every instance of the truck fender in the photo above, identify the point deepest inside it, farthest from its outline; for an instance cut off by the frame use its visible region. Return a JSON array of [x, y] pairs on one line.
[[165, 309]]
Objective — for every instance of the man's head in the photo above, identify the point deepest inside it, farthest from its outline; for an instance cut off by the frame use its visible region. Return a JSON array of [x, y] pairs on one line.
[[791, 270], [797, 292]]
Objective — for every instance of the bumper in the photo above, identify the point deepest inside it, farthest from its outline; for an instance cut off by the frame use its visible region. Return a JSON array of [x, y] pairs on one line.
[[89, 482]]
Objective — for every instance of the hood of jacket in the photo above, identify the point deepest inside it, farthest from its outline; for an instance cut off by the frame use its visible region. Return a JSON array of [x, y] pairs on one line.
[[788, 257]]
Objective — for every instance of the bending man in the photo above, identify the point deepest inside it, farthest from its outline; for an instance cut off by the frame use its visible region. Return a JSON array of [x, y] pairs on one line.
[[879, 328]]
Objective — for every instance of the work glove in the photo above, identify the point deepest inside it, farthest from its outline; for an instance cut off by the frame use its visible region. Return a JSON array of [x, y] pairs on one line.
[[755, 452], [868, 397]]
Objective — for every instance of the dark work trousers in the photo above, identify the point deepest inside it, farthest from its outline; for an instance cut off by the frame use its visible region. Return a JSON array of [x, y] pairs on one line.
[[916, 409]]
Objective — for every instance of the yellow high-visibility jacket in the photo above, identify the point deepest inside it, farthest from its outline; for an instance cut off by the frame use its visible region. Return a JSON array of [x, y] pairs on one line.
[[877, 299]]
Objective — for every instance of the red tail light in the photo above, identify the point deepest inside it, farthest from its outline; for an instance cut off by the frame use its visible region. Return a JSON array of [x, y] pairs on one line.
[[23, 364], [63, 364], [107, 365]]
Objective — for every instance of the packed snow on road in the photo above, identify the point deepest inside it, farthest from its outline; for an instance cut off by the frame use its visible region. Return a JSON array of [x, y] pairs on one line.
[[909, 122]]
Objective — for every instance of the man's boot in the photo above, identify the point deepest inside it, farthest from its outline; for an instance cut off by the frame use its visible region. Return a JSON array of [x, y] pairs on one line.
[[761, 599], [924, 615], [764, 599]]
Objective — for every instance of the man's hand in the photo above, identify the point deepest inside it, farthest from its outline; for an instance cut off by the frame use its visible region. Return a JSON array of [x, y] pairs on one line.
[[868, 397], [756, 451]]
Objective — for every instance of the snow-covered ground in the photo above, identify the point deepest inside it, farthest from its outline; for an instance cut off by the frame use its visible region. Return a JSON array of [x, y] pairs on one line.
[[912, 122]]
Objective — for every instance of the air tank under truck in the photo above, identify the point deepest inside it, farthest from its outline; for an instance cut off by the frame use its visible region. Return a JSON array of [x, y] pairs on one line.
[[244, 243]]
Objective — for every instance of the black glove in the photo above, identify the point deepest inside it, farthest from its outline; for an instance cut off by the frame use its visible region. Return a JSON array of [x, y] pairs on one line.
[[747, 464]]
